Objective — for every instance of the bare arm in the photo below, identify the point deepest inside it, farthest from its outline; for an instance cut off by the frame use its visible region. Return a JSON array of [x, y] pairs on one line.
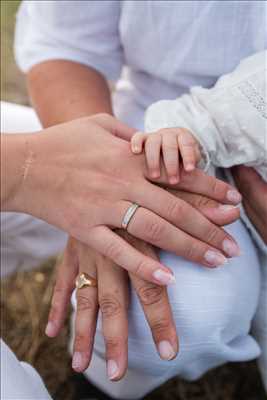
[[63, 90]]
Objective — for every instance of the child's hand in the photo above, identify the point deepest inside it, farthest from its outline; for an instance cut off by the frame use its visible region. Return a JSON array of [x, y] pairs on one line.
[[171, 143]]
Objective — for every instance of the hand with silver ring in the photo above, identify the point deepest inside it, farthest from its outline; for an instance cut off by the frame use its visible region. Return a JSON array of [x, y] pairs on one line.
[[103, 284], [84, 183]]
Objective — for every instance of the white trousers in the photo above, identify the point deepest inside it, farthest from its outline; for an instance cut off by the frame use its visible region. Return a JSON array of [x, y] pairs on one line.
[[213, 309]]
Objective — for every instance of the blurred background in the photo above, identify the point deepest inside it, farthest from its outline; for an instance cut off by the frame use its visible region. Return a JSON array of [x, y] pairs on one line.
[[25, 301]]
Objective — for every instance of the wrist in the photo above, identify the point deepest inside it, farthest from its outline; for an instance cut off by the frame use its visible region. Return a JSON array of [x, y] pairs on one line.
[[15, 165]]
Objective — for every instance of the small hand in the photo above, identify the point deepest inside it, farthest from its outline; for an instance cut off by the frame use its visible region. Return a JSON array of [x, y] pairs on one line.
[[171, 143]]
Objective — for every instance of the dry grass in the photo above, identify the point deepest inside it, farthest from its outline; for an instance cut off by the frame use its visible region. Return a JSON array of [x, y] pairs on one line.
[[25, 302]]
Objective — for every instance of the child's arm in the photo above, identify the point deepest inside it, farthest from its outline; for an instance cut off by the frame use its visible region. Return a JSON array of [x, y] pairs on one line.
[[228, 120]]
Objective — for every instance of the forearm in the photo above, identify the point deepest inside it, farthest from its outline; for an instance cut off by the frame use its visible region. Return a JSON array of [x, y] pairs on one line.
[[63, 90]]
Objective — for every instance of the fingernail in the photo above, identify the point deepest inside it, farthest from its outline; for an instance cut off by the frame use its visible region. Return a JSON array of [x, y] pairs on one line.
[[189, 167], [226, 207], [230, 248], [77, 361], [173, 180], [112, 369], [215, 258], [155, 174], [164, 277], [234, 196], [166, 350], [50, 329], [135, 149]]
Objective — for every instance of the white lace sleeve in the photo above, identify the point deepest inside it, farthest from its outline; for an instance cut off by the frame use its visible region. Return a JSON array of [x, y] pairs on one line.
[[229, 120]]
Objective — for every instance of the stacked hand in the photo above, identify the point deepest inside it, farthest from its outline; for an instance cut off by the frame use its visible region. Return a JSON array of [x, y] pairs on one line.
[[204, 200]]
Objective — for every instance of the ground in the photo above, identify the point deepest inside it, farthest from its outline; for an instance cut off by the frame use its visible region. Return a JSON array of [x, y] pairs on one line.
[[25, 301]]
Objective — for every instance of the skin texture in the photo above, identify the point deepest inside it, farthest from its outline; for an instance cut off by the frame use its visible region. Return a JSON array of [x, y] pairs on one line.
[[165, 147], [112, 298], [61, 91]]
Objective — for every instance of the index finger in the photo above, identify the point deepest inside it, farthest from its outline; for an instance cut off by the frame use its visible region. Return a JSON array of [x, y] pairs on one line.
[[199, 182]]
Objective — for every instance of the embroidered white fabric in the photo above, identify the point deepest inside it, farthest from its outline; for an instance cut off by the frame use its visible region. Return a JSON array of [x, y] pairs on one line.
[[229, 120]]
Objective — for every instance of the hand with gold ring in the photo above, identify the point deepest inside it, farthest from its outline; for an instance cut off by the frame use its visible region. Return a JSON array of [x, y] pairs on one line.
[[103, 285], [108, 290]]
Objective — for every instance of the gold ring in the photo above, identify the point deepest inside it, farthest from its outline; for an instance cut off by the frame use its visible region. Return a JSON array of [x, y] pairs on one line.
[[85, 280]]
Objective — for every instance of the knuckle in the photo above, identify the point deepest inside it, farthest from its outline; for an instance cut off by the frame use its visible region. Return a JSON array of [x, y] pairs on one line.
[[154, 231], [160, 325], [217, 188], [110, 306], [191, 251], [113, 342], [112, 250], [213, 234], [150, 295], [175, 209], [80, 340], [141, 266], [202, 201], [84, 304], [61, 288]]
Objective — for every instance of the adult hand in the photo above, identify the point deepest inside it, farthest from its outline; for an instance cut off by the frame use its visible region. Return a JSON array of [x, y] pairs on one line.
[[84, 183], [111, 297], [254, 192]]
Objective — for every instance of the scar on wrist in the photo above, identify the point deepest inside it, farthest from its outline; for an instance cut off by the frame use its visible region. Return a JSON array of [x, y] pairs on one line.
[[27, 164]]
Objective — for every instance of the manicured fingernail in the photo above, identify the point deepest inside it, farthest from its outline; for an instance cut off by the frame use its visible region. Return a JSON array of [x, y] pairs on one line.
[[215, 258], [173, 180], [226, 207], [230, 248], [50, 329], [166, 350], [164, 277], [77, 360], [234, 196], [112, 369]]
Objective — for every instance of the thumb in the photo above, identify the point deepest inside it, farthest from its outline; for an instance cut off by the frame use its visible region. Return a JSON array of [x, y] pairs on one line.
[[114, 126]]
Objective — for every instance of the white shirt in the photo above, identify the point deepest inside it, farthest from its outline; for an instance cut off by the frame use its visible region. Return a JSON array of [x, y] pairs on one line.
[[167, 46], [229, 120]]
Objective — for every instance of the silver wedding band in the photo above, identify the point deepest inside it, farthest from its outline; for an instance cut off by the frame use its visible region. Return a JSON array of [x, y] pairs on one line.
[[129, 215]]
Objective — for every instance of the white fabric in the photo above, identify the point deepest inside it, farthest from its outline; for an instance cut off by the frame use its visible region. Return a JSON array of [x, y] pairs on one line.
[[161, 48], [229, 120], [166, 46], [213, 310], [230, 123], [19, 381]]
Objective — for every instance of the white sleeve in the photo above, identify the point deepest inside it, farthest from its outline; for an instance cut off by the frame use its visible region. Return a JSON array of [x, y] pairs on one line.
[[86, 32], [228, 120]]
